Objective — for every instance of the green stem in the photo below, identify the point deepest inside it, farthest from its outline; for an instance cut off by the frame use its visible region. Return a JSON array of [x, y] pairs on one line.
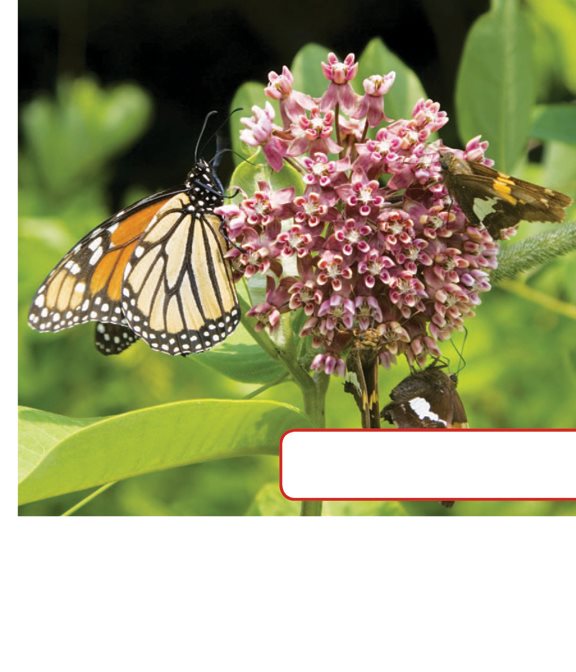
[[89, 498], [297, 372], [540, 298], [266, 386], [314, 406], [313, 388], [311, 508]]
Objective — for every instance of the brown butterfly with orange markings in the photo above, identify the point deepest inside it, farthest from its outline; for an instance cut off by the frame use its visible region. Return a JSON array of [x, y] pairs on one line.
[[496, 200]]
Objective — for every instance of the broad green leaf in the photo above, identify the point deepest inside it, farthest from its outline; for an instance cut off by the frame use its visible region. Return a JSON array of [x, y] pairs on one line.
[[269, 501], [307, 69], [377, 59], [555, 122], [247, 175], [56, 459], [242, 362], [495, 88], [39, 432], [71, 137], [557, 19]]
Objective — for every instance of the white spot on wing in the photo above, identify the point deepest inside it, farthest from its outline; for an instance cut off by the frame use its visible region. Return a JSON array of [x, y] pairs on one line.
[[483, 207], [422, 409], [95, 256]]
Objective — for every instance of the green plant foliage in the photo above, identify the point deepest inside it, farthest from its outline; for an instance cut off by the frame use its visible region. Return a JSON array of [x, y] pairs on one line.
[[84, 127], [57, 459], [555, 122], [407, 90], [270, 502], [553, 25], [247, 175], [246, 363], [539, 249], [495, 88], [308, 75]]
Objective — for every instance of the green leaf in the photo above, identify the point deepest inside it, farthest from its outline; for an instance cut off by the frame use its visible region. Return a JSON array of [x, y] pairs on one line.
[[377, 59], [247, 175], [72, 137], [269, 501], [244, 363], [307, 69], [39, 432], [61, 455], [557, 22], [555, 122], [495, 88]]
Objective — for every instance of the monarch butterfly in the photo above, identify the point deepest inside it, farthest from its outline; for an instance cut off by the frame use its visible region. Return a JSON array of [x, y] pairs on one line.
[[156, 271]]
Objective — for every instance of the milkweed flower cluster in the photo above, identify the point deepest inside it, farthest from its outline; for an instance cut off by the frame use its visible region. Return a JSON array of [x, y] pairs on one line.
[[373, 251]]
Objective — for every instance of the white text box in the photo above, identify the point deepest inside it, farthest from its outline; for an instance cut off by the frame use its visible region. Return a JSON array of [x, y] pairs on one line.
[[435, 464]]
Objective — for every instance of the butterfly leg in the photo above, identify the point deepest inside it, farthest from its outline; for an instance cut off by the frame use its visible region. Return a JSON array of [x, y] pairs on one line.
[[229, 240]]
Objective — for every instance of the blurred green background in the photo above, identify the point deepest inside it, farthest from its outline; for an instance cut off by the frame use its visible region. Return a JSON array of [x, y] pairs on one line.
[[99, 130]]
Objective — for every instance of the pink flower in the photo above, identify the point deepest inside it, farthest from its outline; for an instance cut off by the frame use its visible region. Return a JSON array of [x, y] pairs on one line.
[[259, 131], [333, 269], [352, 235], [329, 364], [294, 241], [324, 172], [368, 312], [336, 311], [292, 103], [363, 196], [339, 74], [267, 317], [371, 105], [374, 253], [312, 134], [373, 266]]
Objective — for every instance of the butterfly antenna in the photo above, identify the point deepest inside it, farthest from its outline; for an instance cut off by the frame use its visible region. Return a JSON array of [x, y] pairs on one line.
[[210, 114], [462, 361], [216, 158], [224, 122]]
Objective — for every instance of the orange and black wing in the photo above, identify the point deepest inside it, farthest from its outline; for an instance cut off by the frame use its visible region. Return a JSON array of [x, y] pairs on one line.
[[178, 294], [86, 285]]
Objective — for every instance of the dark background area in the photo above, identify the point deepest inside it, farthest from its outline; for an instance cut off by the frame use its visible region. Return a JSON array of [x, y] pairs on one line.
[[191, 56]]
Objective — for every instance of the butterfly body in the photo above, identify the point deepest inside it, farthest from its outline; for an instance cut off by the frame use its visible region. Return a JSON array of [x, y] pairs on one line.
[[496, 200], [156, 270], [426, 399]]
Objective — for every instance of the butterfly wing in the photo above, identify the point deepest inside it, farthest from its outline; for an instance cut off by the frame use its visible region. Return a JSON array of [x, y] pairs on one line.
[[86, 284], [178, 294], [499, 201], [112, 339], [426, 399]]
